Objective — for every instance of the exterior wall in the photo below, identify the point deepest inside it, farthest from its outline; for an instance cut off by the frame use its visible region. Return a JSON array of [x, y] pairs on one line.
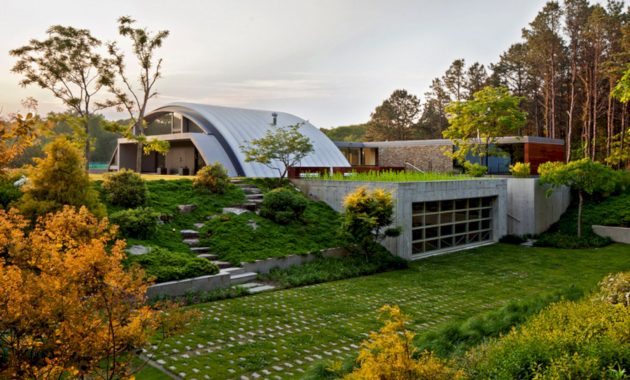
[[180, 155], [530, 210], [427, 158], [616, 234], [127, 156], [406, 193], [536, 154]]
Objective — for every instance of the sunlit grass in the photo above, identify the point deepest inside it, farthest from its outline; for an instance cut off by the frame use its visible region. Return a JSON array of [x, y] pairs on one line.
[[145, 176]]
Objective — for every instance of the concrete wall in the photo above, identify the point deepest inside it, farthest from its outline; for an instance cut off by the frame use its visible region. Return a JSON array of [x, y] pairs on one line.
[[127, 156], [406, 193], [617, 234], [427, 158], [265, 266], [530, 211], [189, 285], [181, 154]]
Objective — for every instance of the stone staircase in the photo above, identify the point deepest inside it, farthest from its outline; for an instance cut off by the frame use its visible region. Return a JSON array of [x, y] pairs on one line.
[[238, 275]]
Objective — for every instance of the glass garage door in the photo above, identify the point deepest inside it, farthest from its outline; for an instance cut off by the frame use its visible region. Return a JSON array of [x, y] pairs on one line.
[[445, 224]]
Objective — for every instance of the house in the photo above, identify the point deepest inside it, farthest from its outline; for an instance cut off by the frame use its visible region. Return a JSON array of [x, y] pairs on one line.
[[202, 134], [428, 155]]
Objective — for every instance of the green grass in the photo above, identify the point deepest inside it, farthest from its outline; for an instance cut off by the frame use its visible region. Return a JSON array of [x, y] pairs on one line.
[[324, 322], [393, 176], [233, 239]]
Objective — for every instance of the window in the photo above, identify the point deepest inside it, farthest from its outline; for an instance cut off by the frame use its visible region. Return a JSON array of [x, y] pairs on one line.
[[444, 224]]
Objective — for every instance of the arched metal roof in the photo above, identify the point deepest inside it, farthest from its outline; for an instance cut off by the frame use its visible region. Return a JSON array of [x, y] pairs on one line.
[[236, 127]]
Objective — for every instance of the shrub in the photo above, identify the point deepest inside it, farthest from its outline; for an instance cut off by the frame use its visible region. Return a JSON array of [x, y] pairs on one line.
[[474, 169], [615, 289], [520, 170], [59, 179], [139, 223], [283, 206], [367, 217], [568, 241], [165, 265], [212, 178], [8, 192], [512, 239], [389, 354], [125, 189]]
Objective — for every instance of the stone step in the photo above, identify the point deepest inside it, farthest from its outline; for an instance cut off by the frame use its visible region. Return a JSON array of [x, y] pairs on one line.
[[189, 234], [262, 288], [254, 196], [233, 270], [222, 264], [199, 225], [251, 190], [199, 249], [249, 285], [209, 256], [191, 242], [243, 277], [250, 206]]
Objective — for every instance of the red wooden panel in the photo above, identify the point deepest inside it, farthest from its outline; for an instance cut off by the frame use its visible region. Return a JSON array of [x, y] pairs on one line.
[[536, 154]]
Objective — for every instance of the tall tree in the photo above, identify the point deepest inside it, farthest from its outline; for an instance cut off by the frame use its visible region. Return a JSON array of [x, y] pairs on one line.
[[67, 64], [474, 125], [454, 79], [126, 95], [433, 119], [476, 79], [396, 118]]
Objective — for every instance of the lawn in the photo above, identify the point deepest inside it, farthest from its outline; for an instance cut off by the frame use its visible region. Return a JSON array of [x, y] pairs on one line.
[[283, 333]]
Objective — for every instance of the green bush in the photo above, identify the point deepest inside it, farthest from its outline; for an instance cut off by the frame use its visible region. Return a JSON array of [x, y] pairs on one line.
[[520, 170], [569, 241], [125, 189], [139, 223], [283, 206], [212, 178], [165, 265], [8, 192], [474, 169]]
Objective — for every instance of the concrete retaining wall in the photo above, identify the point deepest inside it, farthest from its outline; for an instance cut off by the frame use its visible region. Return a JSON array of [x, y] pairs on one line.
[[530, 210], [265, 266], [617, 234], [189, 285], [406, 193]]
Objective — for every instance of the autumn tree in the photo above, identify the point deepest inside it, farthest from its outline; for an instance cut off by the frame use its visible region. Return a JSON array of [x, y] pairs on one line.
[[584, 176], [134, 96], [67, 64], [475, 124], [59, 179], [395, 119], [68, 308], [280, 148], [16, 135]]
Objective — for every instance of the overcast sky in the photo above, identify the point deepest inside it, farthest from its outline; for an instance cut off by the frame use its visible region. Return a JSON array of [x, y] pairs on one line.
[[329, 61]]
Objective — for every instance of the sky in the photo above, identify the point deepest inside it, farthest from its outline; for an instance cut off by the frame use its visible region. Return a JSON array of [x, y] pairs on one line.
[[328, 61]]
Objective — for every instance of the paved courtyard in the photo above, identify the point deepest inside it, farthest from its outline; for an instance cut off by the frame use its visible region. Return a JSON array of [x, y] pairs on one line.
[[278, 335]]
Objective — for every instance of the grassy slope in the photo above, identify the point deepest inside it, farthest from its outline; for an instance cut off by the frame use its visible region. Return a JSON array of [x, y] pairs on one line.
[[614, 210], [338, 314]]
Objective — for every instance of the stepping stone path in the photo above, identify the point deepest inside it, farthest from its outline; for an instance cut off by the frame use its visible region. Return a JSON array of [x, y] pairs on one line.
[[190, 237], [138, 250]]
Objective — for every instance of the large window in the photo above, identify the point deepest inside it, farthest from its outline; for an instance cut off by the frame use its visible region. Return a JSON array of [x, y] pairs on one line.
[[445, 224]]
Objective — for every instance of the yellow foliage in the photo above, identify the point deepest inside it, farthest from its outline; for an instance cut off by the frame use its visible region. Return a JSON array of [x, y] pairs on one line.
[[68, 308], [15, 136], [388, 354]]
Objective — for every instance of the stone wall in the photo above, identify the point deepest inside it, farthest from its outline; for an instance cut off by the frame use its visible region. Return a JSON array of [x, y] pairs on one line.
[[429, 158]]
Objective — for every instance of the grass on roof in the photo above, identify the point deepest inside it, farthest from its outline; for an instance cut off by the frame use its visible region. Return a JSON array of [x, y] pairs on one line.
[[393, 176]]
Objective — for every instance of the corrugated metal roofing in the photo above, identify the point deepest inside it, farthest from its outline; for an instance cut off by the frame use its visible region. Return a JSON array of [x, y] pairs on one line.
[[238, 126]]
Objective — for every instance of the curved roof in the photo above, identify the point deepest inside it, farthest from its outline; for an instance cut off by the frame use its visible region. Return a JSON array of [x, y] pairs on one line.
[[235, 127]]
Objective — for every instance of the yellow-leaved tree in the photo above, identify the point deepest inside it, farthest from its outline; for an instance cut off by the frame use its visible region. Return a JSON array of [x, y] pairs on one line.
[[68, 307], [389, 354]]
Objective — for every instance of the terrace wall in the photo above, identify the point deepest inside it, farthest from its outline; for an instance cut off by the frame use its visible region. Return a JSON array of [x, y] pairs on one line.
[[429, 158]]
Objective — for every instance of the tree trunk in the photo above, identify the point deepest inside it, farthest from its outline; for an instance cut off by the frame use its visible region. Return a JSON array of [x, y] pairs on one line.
[[610, 115], [139, 157], [579, 218], [87, 146]]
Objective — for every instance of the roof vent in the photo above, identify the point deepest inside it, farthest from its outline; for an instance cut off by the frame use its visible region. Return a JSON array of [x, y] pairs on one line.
[[274, 118]]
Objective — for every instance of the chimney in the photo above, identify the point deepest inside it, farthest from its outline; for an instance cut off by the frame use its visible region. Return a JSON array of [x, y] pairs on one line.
[[274, 117]]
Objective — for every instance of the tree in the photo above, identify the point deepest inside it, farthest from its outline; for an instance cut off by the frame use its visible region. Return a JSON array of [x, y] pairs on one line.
[[476, 79], [59, 179], [68, 65], [433, 120], [454, 79], [620, 150], [475, 124], [17, 135], [584, 176], [68, 307], [390, 354], [126, 96], [367, 217], [395, 119], [280, 148]]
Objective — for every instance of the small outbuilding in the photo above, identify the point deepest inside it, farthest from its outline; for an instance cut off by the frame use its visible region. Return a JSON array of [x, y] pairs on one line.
[[201, 134]]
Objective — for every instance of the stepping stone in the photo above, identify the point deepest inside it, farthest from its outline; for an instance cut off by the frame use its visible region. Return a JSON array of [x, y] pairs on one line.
[[252, 224], [222, 264], [234, 210], [249, 285], [189, 234], [249, 206], [259, 289], [251, 190], [199, 225], [254, 196], [185, 209], [191, 242], [208, 256], [138, 250], [200, 249]]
